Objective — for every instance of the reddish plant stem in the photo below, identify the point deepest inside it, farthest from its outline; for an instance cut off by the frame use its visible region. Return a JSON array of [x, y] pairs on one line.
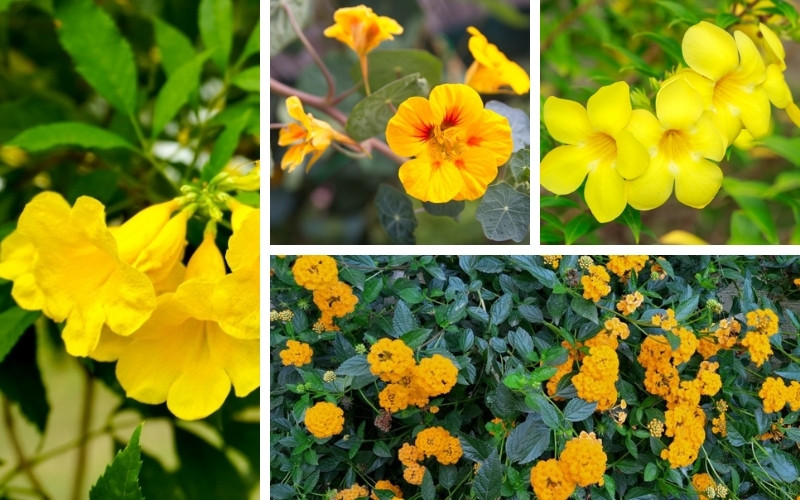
[[317, 59]]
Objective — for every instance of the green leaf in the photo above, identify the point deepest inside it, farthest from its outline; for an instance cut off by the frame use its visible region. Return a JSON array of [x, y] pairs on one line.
[[181, 84], [504, 213], [386, 66], [786, 147], [520, 163], [680, 11], [633, 219], [449, 209], [744, 231], [396, 214], [206, 471], [505, 13], [669, 45], [225, 146], [370, 116], [578, 409], [13, 323], [518, 120], [403, 320], [356, 366], [175, 47], [4, 5], [281, 32], [725, 20], [120, 481], [215, 18], [748, 196], [101, 55], [21, 382], [249, 79], [783, 465], [578, 226], [650, 472], [527, 441], [253, 43], [428, 489], [543, 275], [489, 478], [44, 137], [585, 308]]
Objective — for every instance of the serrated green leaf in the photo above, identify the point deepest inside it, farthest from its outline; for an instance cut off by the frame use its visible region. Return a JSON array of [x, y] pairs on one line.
[[180, 85], [355, 366], [389, 65], [175, 47], [578, 409], [225, 146], [403, 321], [518, 120], [396, 214], [215, 19], [120, 481], [527, 441], [370, 116], [281, 32], [13, 323], [449, 209], [520, 163], [249, 79], [489, 478], [44, 137], [428, 489], [504, 213], [585, 308], [105, 58]]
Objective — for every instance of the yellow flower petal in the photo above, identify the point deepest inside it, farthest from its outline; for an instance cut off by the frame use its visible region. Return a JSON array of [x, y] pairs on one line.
[[492, 133], [295, 108], [206, 262], [773, 46], [435, 181], [678, 105], [244, 243], [698, 183], [477, 168], [409, 130], [755, 112], [646, 128], [706, 139], [605, 193], [563, 169], [651, 189], [455, 105], [140, 230], [18, 257], [751, 65], [236, 302], [709, 50], [567, 121], [492, 70], [794, 113], [164, 251], [609, 108], [201, 389], [776, 87], [680, 237], [110, 346], [239, 359], [361, 29], [632, 157]]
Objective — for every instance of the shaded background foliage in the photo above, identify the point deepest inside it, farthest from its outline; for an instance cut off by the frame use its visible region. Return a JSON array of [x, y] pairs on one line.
[[335, 202]]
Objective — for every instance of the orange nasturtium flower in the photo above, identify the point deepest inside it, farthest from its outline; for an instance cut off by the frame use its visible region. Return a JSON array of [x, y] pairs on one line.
[[457, 144], [362, 30], [491, 69], [314, 135], [598, 144]]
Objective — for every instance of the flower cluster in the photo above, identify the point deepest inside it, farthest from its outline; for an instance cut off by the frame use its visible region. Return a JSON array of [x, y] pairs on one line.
[[582, 463], [296, 353], [630, 303], [437, 442], [409, 382], [334, 298], [352, 493], [552, 260], [457, 145], [595, 284], [181, 334], [775, 395], [324, 420], [384, 485], [622, 265], [637, 157], [598, 376], [765, 324], [701, 483]]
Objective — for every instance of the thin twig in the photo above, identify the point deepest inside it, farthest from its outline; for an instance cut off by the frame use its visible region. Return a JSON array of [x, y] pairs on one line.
[[317, 59], [86, 417], [23, 464], [310, 99], [383, 148]]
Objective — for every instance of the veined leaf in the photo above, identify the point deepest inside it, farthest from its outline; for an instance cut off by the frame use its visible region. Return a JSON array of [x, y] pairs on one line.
[[504, 213], [370, 116], [215, 18], [386, 66], [396, 214], [44, 137], [225, 146], [120, 481], [176, 91], [101, 55], [176, 48]]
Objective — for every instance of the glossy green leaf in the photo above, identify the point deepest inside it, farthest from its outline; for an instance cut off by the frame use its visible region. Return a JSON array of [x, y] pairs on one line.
[[518, 120], [120, 481], [206, 471], [248, 79], [370, 116], [579, 226], [744, 231], [101, 55], [396, 214], [388, 65], [44, 137], [225, 146], [13, 323], [787, 147], [585, 308], [175, 93], [215, 18], [281, 32], [175, 47], [504, 213]]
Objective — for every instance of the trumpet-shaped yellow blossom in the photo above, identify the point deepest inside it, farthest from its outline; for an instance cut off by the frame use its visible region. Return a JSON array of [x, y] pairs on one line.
[[729, 74], [65, 261], [457, 144], [681, 139], [181, 354], [311, 136], [491, 70], [361, 29], [598, 146]]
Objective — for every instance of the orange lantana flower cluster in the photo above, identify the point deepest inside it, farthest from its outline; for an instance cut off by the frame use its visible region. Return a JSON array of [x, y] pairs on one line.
[[324, 420], [582, 463], [622, 265], [595, 284], [296, 353], [334, 298], [776, 394], [764, 324]]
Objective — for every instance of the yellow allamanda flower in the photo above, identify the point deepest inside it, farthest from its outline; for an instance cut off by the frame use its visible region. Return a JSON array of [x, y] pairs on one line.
[[729, 73], [681, 139], [314, 136], [181, 354], [457, 144], [598, 146], [492, 70]]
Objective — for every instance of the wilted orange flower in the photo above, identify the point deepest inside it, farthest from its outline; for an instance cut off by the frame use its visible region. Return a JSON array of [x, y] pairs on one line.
[[457, 143], [361, 29], [314, 136], [492, 70]]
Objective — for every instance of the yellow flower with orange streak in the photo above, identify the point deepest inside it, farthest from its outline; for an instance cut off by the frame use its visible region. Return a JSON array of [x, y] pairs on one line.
[[492, 70], [309, 137], [457, 145]]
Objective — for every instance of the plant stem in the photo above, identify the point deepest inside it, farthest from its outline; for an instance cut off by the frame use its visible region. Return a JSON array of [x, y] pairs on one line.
[[23, 464], [314, 55], [310, 99], [86, 417]]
